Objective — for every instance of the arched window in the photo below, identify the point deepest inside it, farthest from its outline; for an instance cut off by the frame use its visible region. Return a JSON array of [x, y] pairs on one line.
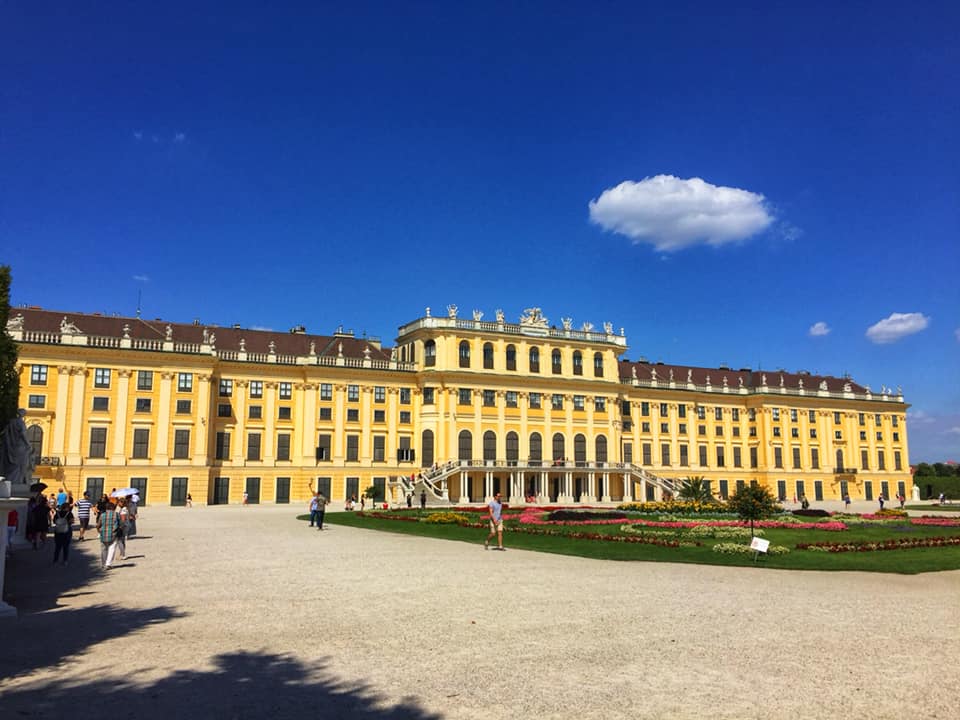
[[556, 362], [558, 446], [412, 355], [35, 437], [536, 448], [511, 357], [430, 353], [464, 354], [489, 445], [577, 362], [579, 448], [426, 445], [598, 364], [488, 356], [465, 445], [601, 444], [513, 448], [534, 360]]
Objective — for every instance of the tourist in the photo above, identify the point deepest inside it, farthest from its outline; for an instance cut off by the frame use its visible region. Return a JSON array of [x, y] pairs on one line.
[[61, 497], [804, 503], [123, 513], [423, 499], [133, 505], [38, 521], [102, 504], [83, 513], [941, 498], [902, 498], [13, 519], [410, 499], [846, 502], [495, 510], [881, 499], [62, 532], [107, 524], [314, 503], [322, 503], [189, 500], [246, 497]]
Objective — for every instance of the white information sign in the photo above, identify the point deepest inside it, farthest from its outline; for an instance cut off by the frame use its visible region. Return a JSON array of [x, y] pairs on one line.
[[759, 544]]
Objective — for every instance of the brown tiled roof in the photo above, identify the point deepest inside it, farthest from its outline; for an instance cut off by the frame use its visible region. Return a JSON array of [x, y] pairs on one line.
[[752, 379], [227, 338]]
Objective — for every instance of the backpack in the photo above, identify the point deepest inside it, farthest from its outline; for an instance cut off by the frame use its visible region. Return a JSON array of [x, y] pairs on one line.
[[62, 524]]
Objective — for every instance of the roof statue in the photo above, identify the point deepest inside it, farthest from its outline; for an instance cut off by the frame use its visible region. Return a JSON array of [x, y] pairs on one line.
[[428, 311], [313, 348], [340, 350], [533, 317], [68, 328], [366, 353], [126, 331], [243, 345], [823, 384], [847, 387], [671, 374], [15, 323], [213, 339], [689, 375], [393, 354], [800, 383], [708, 380], [567, 323], [478, 315], [763, 379], [725, 381], [273, 347], [451, 311], [499, 314], [587, 327], [633, 372], [168, 333], [206, 336], [608, 328], [740, 379], [781, 381]]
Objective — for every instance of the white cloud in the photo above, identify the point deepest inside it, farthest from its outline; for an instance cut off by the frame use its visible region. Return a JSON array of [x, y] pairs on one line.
[[919, 416], [897, 326], [672, 213], [141, 278], [819, 329], [953, 431], [261, 327]]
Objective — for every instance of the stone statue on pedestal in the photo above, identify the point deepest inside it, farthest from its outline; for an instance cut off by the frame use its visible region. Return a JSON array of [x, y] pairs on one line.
[[16, 455]]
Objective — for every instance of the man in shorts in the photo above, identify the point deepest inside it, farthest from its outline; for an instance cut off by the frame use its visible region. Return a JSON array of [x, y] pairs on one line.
[[495, 509], [83, 512]]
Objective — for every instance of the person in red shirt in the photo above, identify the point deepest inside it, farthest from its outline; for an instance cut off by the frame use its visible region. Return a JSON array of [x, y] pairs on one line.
[[13, 519]]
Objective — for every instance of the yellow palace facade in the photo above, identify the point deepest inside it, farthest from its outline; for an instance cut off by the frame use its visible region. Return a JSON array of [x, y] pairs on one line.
[[459, 408]]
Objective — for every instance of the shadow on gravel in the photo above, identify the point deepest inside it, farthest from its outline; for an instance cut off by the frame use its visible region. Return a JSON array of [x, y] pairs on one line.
[[241, 685], [47, 639]]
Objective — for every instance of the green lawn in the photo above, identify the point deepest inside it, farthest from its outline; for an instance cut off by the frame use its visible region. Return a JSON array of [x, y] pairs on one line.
[[911, 561], [934, 507]]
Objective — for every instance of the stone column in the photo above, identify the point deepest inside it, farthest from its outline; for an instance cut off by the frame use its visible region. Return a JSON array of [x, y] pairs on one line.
[[201, 413], [162, 454], [118, 456], [77, 402]]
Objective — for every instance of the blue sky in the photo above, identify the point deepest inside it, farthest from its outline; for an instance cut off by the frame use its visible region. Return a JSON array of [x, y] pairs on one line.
[[716, 180]]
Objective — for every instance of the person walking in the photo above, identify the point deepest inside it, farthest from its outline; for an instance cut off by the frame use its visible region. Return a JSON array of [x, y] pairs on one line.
[[107, 523], [423, 499], [495, 510], [881, 499], [123, 512], [133, 505], [83, 513], [314, 502], [62, 532], [322, 503]]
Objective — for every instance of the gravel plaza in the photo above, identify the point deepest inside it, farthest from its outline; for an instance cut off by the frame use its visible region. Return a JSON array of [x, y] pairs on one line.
[[245, 612]]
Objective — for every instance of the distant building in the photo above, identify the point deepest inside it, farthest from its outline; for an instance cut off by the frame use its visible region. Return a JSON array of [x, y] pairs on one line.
[[465, 407]]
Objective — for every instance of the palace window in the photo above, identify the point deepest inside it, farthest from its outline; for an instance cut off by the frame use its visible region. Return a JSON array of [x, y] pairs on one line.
[[600, 404], [181, 444], [735, 414], [721, 460], [379, 416], [353, 448], [224, 410], [535, 401], [98, 442], [812, 415], [701, 412], [36, 401], [556, 362], [861, 419], [353, 415], [736, 431], [379, 394], [353, 393], [534, 360], [644, 427], [702, 451], [256, 388], [644, 409], [38, 374], [793, 415], [255, 412], [511, 357], [286, 390], [101, 377], [813, 433], [776, 414], [183, 407], [776, 432], [684, 456], [682, 428], [283, 412], [222, 451], [326, 391], [895, 422], [511, 398], [778, 457], [429, 394], [737, 457], [836, 418], [794, 432], [405, 417], [814, 459], [556, 401], [488, 356], [283, 446], [323, 447], [879, 436], [489, 398], [718, 413], [226, 388], [578, 402], [184, 382], [141, 443], [404, 396], [665, 454], [464, 396], [796, 458], [718, 430], [464, 354], [577, 363], [430, 353], [253, 446], [143, 405], [326, 413], [665, 427], [598, 364], [144, 380], [101, 404], [379, 448], [646, 454]]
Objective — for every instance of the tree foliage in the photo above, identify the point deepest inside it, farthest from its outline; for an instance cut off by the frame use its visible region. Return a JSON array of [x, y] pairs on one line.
[[695, 489], [753, 502], [9, 378]]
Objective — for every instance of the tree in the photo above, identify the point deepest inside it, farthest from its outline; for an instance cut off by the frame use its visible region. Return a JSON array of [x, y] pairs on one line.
[[9, 378], [696, 489], [924, 470], [371, 492], [753, 502]]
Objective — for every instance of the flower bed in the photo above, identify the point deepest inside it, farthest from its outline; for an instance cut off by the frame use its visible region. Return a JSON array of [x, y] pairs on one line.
[[534, 516], [697, 531], [892, 544], [738, 549], [679, 507]]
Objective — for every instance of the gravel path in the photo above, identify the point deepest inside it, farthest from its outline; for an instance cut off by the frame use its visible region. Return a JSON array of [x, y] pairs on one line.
[[240, 612]]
